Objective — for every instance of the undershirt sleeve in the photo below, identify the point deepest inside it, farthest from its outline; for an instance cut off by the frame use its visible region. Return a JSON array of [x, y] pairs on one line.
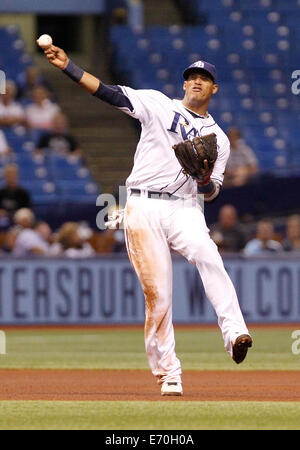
[[113, 95]]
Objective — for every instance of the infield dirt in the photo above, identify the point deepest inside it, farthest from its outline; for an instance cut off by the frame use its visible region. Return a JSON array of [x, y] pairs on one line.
[[101, 385]]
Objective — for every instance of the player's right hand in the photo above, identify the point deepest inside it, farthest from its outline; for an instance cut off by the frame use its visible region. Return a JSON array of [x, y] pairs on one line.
[[56, 56]]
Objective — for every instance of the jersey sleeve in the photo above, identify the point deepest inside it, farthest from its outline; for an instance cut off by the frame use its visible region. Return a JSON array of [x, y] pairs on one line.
[[141, 101], [220, 164], [137, 103]]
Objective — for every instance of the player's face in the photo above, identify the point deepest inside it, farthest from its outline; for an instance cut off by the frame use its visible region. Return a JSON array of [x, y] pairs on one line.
[[199, 87]]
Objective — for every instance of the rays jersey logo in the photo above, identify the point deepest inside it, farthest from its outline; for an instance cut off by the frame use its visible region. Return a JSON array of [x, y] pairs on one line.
[[182, 126]]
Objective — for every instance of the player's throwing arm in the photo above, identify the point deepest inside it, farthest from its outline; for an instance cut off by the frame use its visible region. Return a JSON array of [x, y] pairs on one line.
[[58, 57]]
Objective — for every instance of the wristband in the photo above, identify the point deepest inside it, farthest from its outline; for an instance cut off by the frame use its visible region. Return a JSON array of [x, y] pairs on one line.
[[207, 188], [73, 71]]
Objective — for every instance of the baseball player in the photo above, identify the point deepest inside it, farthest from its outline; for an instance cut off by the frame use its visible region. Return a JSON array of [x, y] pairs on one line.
[[162, 212]]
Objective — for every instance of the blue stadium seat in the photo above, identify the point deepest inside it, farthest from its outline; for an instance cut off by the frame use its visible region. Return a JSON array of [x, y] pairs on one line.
[[220, 17], [71, 173], [254, 64], [31, 172], [41, 191], [270, 18], [290, 6], [213, 5], [258, 5], [78, 191], [16, 137], [62, 162]]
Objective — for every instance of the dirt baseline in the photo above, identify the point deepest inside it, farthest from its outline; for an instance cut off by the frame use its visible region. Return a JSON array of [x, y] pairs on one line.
[[17, 384]]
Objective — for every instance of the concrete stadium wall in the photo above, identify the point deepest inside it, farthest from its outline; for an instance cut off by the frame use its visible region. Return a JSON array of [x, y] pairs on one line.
[[106, 291]]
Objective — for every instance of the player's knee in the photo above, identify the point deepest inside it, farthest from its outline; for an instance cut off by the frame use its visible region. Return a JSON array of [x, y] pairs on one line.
[[195, 252], [203, 251], [158, 315], [157, 302]]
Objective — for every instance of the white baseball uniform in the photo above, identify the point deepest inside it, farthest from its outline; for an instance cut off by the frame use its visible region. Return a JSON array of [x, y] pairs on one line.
[[154, 226]]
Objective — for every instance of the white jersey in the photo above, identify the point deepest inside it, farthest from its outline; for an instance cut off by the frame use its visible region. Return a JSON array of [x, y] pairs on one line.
[[166, 122]]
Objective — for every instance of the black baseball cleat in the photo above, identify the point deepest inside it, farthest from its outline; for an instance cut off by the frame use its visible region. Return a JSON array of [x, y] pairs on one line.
[[240, 347]]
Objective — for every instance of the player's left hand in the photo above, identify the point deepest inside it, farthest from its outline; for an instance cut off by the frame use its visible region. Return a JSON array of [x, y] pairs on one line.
[[204, 177], [197, 157]]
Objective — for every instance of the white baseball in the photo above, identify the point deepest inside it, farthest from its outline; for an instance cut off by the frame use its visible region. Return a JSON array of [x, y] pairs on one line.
[[45, 41]]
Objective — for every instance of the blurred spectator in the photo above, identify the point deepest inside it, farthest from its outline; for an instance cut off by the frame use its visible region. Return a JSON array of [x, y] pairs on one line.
[[112, 241], [5, 220], [227, 234], [24, 218], [117, 12], [119, 242], [264, 241], [5, 149], [33, 239], [104, 242], [12, 196], [119, 16], [72, 241], [242, 163], [41, 112], [59, 139], [11, 111], [191, 12], [10, 239], [292, 240], [33, 79]]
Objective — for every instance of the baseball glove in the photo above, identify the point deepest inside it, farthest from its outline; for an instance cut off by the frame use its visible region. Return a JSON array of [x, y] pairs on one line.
[[197, 157]]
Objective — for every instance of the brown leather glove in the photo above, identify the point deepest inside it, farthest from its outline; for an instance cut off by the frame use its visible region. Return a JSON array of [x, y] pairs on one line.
[[197, 157]]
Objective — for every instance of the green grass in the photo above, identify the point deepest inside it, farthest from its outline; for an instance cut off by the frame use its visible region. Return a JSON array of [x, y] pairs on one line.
[[198, 349], [149, 415]]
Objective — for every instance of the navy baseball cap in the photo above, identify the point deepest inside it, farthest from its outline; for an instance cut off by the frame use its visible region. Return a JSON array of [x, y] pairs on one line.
[[199, 66]]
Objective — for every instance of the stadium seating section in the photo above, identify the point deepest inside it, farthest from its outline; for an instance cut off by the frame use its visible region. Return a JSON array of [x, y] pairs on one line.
[[51, 179], [255, 45]]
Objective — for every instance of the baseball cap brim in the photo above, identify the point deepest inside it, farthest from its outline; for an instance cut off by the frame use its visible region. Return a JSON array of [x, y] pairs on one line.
[[188, 72]]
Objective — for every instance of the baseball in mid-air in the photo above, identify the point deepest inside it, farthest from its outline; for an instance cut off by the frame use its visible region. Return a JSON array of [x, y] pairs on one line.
[[44, 41]]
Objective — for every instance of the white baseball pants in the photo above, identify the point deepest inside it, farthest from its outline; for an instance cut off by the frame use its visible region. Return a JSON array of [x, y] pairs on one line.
[[152, 228]]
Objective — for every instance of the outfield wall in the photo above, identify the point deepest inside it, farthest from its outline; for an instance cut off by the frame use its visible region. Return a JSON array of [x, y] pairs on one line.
[[106, 291]]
